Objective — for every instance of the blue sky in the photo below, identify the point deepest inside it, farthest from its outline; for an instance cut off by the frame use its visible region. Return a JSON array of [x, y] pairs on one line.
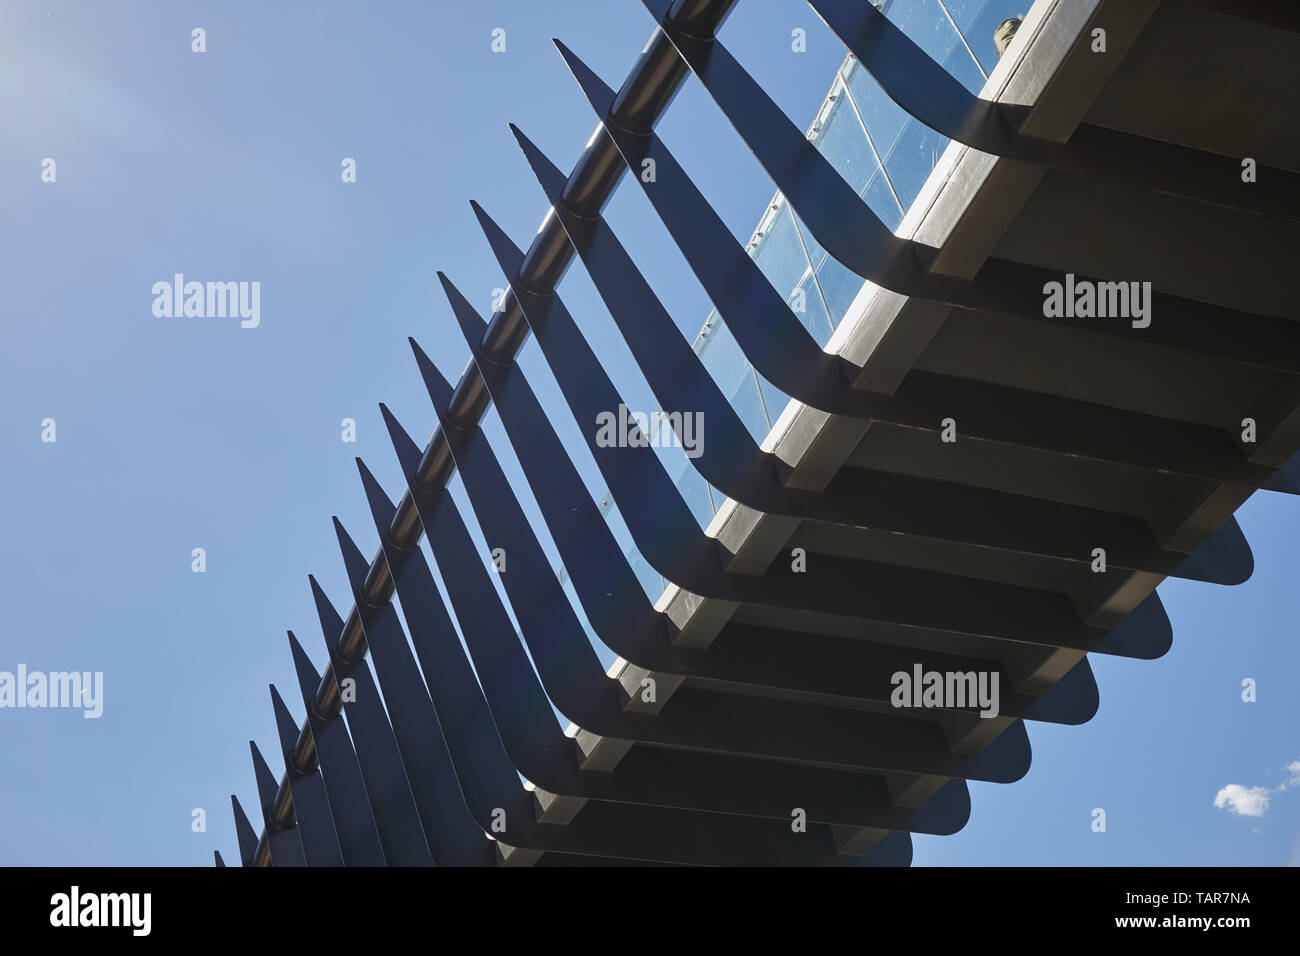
[[183, 433]]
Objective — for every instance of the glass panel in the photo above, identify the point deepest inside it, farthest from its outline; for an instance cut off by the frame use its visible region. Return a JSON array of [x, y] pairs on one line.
[[881, 200], [779, 254], [979, 19], [883, 117], [806, 303], [775, 398], [912, 158], [721, 355], [964, 13], [927, 26], [960, 65], [839, 285], [841, 140], [816, 254], [749, 404], [688, 481]]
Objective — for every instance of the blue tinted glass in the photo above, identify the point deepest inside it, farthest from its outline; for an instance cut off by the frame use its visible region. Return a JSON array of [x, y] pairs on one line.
[[730, 369], [961, 66], [816, 254], [882, 201], [964, 13], [696, 492], [924, 22], [776, 399], [979, 20], [819, 289], [684, 476], [806, 305], [749, 404], [883, 117], [839, 285], [650, 579], [841, 140], [912, 158], [779, 255], [808, 308]]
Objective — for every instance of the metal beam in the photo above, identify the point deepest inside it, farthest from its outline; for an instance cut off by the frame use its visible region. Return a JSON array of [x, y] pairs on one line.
[[646, 92]]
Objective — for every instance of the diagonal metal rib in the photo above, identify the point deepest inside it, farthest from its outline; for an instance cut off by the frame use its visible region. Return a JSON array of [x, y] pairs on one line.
[[783, 352], [244, 832], [850, 231], [455, 839], [576, 683], [396, 813], [649, 87], [358, 835], [927, 91], [670, 540], [737, 467], [586, 189], [311, 806], [755, 788], [286, 846], [609, 593]]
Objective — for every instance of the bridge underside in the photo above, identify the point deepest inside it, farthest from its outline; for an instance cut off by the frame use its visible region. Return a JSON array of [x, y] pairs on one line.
[[973, 481]]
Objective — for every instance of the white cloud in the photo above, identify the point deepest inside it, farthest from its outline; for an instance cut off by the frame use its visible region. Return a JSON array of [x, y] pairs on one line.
[[1246, 801], [1254, 801]]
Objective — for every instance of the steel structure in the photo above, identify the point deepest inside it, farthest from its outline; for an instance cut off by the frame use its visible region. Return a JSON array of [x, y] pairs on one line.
[[951, 470]]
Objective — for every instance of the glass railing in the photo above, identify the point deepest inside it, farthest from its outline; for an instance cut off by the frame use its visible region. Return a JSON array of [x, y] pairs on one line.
[[886, 156]]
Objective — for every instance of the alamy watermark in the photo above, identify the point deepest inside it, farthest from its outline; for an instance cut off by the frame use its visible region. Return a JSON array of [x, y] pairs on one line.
[[1086, 299], [75, 908], [211, 300], [63, 689], [628, 429], [948, 689]]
